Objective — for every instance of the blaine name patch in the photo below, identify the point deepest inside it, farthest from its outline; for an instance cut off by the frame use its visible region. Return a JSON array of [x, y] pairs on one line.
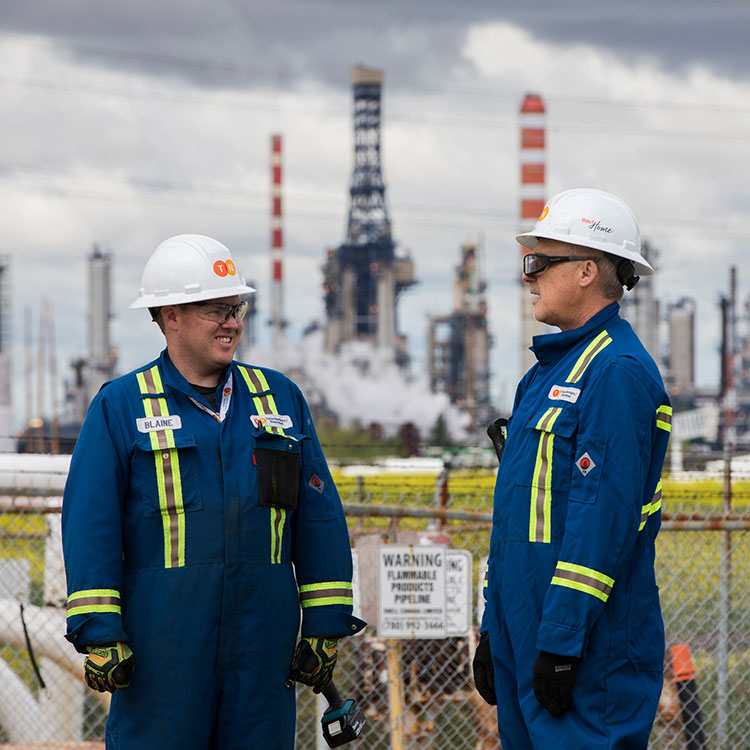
[[154, 424]]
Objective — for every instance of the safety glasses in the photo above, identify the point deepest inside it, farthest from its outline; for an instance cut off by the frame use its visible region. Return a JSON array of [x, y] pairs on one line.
[[534, 263], [219, 312]]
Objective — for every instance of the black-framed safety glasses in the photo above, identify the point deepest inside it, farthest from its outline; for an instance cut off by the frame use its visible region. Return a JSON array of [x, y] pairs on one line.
[[534, 263], [219, 312]]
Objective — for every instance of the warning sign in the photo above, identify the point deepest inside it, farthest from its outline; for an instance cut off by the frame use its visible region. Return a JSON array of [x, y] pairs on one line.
[[411, 591], [457, 592]]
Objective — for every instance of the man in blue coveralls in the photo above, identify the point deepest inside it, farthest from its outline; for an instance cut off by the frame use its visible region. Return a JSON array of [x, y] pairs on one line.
[[199, 519], [572, 642]]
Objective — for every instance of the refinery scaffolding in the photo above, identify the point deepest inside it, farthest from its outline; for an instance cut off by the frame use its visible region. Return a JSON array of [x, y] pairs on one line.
[[459, 343], [364, 276]]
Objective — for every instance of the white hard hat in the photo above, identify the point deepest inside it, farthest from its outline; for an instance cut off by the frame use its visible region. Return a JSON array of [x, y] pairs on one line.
[[590, 218], [189, 268]]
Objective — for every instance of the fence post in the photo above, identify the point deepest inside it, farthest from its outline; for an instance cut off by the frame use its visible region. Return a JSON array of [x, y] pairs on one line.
[[722, 716], [396, 697]]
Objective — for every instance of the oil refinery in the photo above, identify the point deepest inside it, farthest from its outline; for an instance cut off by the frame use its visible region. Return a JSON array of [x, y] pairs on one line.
[[363, 279]]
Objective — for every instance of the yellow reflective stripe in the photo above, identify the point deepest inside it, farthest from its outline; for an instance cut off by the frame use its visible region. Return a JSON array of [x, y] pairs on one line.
[[599, 343], [664, 418], [167, 466], [320, 594], [541, 484], [541, 491], [581, 578], [262, 398], [548, 418], [93, 600], [652, 507], [278, 518]]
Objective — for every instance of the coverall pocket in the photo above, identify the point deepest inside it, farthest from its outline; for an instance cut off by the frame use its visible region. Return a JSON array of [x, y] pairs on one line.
[[588, 465], [165, 477], [551, 432], [277, 463], [646, 631]]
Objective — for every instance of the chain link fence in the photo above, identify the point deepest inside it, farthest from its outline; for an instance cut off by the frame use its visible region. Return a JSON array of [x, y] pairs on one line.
[[417, 694]]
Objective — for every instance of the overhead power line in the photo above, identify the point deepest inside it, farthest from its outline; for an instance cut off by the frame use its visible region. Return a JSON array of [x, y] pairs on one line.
[[270, 103]]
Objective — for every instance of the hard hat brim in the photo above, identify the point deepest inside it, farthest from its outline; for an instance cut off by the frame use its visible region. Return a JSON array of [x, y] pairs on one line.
[[642, 266], [182, 298]]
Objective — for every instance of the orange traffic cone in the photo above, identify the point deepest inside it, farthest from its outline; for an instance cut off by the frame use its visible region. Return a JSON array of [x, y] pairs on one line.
[[687, 689]]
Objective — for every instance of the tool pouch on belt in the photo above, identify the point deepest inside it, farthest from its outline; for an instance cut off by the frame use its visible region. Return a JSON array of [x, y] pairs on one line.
[[277, 463]]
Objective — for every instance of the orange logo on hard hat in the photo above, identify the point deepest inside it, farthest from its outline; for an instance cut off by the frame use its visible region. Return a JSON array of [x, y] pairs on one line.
[[220, 268], [544, 213], [231, 270]]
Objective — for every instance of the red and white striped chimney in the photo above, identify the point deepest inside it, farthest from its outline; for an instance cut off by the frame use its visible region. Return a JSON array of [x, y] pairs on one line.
[[277, 246], [533, 194]]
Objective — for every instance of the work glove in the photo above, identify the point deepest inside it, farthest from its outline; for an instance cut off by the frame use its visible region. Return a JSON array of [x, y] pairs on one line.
[[554, 677], [313, 662], [484, 672], [109, 668]]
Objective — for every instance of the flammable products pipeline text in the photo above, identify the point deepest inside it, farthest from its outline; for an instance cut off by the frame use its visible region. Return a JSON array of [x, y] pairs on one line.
[[412, 575]]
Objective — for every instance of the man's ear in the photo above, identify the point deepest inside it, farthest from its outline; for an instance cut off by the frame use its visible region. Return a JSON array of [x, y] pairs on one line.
[[588, 272], [170, 315]]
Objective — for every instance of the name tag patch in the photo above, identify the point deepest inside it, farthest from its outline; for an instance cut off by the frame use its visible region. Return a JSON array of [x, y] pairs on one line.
[[155, 424], [261, 421], [564, 393]]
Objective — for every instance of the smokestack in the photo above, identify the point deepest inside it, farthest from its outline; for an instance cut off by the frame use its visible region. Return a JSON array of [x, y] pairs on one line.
[[533, 143], [7, 442], [102, 355], [277, 244]]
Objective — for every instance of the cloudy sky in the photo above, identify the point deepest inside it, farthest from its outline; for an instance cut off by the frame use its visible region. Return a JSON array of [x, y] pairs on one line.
[[126, 123]]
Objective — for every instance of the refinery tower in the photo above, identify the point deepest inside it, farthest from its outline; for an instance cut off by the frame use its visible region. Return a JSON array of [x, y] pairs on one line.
[[363, 277]]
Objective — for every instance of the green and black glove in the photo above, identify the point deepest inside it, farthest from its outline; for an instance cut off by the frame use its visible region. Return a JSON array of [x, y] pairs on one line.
[[313, 662], [109, 668]]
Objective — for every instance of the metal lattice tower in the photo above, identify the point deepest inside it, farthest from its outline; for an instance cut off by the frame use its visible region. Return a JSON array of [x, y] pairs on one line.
[[369, 224], [363, 276]]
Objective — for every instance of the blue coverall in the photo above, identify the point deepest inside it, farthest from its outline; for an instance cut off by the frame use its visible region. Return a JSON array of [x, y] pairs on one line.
[[576, 512], [197, 538]]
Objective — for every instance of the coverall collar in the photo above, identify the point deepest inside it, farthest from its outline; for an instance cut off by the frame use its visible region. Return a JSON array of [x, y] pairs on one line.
[[174, 378], [549, 347]]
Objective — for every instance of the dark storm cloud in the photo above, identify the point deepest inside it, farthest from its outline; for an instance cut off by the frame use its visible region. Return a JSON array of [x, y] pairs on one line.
[[245, 42]]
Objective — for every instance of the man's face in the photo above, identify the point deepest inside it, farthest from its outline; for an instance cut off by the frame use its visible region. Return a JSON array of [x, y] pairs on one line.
[[199, 346], [556, 291]]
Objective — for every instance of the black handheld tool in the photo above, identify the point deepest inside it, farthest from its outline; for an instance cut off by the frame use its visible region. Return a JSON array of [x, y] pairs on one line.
[[496, 432], [343, 721]]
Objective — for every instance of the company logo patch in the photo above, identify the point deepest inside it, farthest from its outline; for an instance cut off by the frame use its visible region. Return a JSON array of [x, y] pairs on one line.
[[155, 424], [544, 213], [585, 464], [316, 483], [564, 393], [261, 421]]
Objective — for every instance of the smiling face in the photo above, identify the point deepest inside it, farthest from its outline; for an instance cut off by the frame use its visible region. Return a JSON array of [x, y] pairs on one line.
[[565, 294], [200, 349]]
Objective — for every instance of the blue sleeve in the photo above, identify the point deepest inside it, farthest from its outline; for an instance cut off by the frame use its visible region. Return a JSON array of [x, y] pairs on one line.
[[92, 530], [321, 548], [618, 460]]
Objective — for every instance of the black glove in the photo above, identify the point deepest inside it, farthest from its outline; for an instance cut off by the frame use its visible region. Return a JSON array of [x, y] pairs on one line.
[[313, 662], [109, 668], [484, 672], [554, 677]]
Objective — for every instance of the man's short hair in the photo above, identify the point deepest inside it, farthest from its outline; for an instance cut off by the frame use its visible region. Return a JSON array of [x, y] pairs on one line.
[[610, 284], [156, 317]]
